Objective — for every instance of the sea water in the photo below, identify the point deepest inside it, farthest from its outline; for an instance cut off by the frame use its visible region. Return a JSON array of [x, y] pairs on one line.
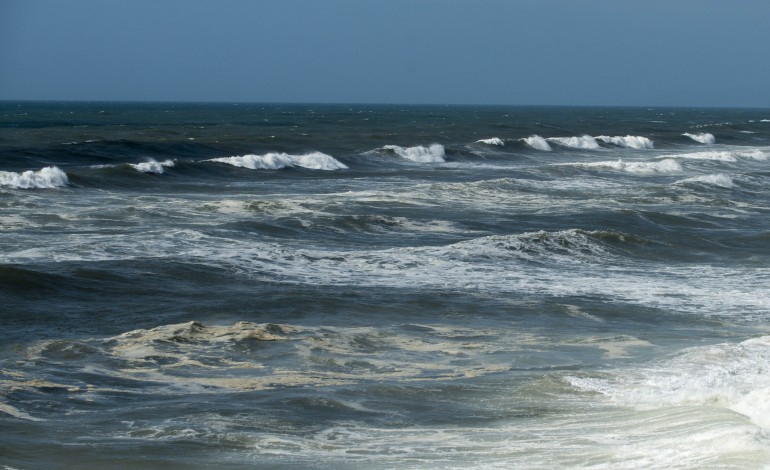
[[352, 286]]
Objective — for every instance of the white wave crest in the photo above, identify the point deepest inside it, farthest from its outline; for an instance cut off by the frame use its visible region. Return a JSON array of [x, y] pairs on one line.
[[722, 156], [662, 166], [584, 142], [537, 143], [420, 154], [629, 141], [276, 161], [492, 141], [719, 179], [704, 138], [46, 178], [732, 376], [152, 166]]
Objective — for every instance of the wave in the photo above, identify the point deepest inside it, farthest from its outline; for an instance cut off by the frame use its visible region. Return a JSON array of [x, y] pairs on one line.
[[662, 166], [433, 154], [277, 161], [729, 156], [492, 141], [571, 245], [585, 142], [629, 141], [704, 138], [152, 166], [45, 178], [537, 143], [731, 376], [721, 180]]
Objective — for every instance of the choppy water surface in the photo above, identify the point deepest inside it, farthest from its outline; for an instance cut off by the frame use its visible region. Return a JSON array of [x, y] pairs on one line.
[[264, 286]]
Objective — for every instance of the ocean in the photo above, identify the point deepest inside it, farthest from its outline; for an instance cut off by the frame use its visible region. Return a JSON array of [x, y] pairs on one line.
[[237, 285]]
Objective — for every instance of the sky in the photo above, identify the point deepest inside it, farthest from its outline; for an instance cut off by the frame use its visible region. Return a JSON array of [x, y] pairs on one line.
[[511, 52]]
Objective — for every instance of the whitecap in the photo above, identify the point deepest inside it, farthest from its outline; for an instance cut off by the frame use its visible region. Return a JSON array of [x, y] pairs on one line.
[[629, 141], [433, 154], [492, 141], [704, 138], [46, 178], [719, 179], [731, 376], [584, 142], [537, 143], [728, 156], [276, 161], [152, 166], [662, 166]]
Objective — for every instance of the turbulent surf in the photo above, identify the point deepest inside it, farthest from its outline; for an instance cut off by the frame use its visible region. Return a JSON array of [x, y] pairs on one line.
[[337, 286]]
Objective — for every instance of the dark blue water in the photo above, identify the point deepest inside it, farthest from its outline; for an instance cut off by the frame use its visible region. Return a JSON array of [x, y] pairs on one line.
[[333, 286]]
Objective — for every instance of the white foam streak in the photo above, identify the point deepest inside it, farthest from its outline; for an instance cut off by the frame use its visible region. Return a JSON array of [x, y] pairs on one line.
[[433, 154], [46, 178], [276, 161], [492, 141], [704, 138], [152, 166], [629, 141], [537, 143], [585, 142]]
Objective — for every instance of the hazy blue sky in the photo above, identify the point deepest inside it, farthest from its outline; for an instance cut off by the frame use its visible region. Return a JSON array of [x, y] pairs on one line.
[[592, 52]]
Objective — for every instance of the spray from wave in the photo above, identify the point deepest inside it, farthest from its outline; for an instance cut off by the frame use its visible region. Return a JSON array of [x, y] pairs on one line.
[[277, 161], [46, 178]]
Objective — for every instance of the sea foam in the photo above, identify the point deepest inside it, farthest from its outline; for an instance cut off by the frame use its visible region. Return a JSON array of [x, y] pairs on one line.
[[48, 177], [276, 161], [433, 154], [704, 138]]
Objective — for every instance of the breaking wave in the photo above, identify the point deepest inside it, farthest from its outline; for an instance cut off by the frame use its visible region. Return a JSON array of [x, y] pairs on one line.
[[433, 154], [629, 141], [277, 161], [662, 166], [704, 138], [585, 142], [152, 166], [732, 376], [722, 156], [46, 178], [493, 141], [720, 179], [537, 143]]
